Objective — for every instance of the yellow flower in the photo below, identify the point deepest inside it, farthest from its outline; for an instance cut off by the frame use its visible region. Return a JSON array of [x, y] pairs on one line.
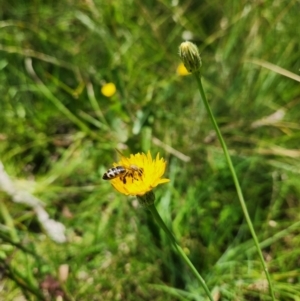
[[181, 70], [142, 174], [108, 89]]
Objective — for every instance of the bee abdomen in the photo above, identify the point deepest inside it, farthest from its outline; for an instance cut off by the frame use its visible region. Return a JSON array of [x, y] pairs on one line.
[[114, 172]]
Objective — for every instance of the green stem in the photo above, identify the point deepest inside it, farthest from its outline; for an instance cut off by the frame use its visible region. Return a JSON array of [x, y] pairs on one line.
[[9, 222], [236, 182], [21, 280], [161, 223]]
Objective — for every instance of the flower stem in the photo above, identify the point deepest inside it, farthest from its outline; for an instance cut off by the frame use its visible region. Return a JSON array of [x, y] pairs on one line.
[[161, 223], [236, 182]]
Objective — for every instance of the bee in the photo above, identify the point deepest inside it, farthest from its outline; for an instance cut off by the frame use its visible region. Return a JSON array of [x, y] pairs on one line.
[[133, 171]]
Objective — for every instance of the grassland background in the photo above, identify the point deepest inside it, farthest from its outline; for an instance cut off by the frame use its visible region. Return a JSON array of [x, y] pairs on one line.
[[58, 136]]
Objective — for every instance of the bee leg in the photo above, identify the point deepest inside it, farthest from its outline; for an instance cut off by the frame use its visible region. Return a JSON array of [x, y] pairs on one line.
[[141, 171], [131, 176], [123, 178]]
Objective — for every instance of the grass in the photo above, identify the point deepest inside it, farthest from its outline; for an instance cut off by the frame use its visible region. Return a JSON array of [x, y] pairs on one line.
[[58, 134]]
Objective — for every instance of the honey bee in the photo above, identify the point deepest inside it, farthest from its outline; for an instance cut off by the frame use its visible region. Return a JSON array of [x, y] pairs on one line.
[[133, 171]]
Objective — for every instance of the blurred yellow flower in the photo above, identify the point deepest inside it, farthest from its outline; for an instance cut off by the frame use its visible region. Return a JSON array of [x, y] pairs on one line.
[[137, 174], [108, 89], [181, 70]]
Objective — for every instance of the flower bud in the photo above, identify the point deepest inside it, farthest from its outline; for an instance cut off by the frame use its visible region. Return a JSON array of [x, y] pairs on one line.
[[190, 56]]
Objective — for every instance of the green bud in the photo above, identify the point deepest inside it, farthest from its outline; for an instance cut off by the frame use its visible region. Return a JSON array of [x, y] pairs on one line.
[[146, 199], [190, 56]]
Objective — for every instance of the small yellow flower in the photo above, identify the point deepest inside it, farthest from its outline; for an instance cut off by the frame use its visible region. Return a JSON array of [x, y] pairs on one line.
[[144, 173], [181, 70], [108, 89]]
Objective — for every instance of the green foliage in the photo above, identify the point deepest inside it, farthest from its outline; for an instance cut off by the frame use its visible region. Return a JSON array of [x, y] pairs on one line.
[[58, 136]]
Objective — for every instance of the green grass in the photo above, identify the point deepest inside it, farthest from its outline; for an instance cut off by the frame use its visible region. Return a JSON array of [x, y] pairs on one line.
[[58, 136]]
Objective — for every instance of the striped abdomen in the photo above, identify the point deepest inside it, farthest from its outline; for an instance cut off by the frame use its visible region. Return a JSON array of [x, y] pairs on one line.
[[114, 173]]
